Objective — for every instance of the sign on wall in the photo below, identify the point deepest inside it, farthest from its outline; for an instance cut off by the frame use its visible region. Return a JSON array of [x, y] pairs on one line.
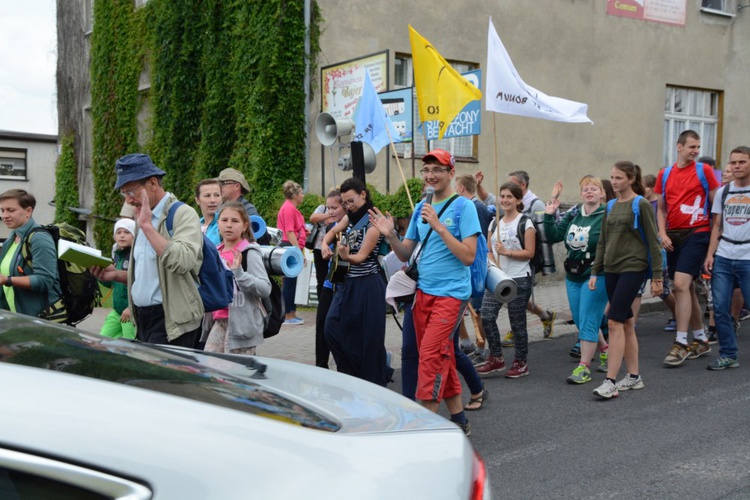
[[398, 105], [661, 11], [342, 83]]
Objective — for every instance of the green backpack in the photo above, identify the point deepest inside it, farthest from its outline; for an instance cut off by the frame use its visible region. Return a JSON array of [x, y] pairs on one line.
[[80, 289]]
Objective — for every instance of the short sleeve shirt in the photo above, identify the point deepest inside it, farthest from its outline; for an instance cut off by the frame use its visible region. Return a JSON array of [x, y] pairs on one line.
[[736, 221], [685, 197], [440, 272], [515, 268]]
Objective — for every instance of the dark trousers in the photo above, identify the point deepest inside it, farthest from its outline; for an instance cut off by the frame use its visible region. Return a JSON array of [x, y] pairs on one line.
[[321, 270], [288, 290], [322, 351], [151, 328]]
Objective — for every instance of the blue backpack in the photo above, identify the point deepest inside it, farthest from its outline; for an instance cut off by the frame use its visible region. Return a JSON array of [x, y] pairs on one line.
[[636, 225], [479, 266], [216, 281], [701, 177]]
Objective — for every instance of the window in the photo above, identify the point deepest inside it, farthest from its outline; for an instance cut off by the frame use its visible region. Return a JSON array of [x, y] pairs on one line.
[[693, 109], [88, 16], [13, 164], [461, 147], [723, 7]]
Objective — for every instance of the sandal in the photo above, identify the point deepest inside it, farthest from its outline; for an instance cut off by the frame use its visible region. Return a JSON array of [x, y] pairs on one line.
[[477, 401]]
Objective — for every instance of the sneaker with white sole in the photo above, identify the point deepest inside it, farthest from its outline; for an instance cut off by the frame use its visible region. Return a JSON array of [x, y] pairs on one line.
[[518, 369], [722, 363], [698, 348], [677, 355], [294, 321], [581, 374], [479, 357], [603, 358], [713, 337], [671, 325], [467, 346], [607, 390], [508, 340], [629, 382], [494, 364]]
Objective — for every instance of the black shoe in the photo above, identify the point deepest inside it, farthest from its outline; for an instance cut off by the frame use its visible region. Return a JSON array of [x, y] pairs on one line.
[[711, 333]]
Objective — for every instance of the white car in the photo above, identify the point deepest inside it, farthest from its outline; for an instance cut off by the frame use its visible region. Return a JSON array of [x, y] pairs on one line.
[[87, 417]]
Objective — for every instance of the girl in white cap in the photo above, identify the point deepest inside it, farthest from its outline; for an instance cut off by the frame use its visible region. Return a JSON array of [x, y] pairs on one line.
[[118, 322]]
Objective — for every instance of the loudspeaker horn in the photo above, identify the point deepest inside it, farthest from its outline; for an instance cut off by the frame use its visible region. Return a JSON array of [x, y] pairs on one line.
[[370, 160], [328, 128]]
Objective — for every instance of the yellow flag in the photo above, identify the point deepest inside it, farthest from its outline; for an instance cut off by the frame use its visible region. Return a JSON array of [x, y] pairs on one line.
[[441, 91]]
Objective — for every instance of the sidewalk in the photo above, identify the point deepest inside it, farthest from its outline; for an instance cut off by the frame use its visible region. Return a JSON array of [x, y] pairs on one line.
[[297, 343]]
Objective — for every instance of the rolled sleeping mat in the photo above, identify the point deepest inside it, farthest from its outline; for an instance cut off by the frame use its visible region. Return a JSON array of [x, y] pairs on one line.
[[283, 261], [258, 226], [275, 235], [500, 285]]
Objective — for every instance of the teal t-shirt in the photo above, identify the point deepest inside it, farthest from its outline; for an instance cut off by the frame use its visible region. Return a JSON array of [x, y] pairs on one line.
[[440, 272]]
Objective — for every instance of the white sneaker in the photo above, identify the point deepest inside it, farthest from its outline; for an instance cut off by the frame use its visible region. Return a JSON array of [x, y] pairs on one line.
[[629, 382], [607, 390]]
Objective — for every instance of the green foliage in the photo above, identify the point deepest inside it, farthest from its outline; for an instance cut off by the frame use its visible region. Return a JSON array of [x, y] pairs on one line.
[[66, 185], [399, 202], [116, 62], [226, 90], [309, 204]]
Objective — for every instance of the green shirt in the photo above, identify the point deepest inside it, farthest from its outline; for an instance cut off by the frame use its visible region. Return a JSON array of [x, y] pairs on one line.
[[5, 266], [621, 248]]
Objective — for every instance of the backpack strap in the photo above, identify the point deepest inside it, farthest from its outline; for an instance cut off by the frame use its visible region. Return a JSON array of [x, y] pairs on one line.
[[457, 210], [704, 182], [170, 216], [521, 234]]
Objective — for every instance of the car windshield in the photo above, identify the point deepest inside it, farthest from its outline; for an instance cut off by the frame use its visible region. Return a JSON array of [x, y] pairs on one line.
[[27, 342]]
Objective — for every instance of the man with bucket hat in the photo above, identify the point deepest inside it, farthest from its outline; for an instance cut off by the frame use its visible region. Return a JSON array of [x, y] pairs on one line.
[[234, 186], [161, 275]]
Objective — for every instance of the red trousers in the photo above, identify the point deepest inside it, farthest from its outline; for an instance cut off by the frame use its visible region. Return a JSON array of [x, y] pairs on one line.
[[435, 322]]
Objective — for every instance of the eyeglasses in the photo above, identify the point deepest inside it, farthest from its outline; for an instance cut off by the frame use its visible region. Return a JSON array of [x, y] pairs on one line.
[[130, 192], [427, 171], [345, 203], [228, 183]]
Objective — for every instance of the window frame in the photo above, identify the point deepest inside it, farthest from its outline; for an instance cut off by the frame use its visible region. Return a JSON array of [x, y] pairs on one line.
[[14, 152], [692, 120]]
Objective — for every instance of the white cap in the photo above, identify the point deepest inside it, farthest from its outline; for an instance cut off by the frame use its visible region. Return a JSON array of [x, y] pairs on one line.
[[128, 224]]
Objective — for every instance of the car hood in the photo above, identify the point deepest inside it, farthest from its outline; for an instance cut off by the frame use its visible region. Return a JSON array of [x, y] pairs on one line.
[[285, 391]]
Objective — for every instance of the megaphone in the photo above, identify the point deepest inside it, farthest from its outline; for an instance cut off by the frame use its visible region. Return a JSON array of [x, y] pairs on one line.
[[328, 128], [369, 159]]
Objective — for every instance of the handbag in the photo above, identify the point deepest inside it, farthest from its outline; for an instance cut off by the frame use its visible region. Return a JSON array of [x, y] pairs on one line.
[[312, 236]]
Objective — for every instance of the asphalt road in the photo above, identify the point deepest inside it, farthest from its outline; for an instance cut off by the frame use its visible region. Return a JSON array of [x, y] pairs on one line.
[[685, 435]]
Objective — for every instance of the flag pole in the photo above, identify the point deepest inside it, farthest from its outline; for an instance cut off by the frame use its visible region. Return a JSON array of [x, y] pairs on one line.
[[403, 177], [497, 182]]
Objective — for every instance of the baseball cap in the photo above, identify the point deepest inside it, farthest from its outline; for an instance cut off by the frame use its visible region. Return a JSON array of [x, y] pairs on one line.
[[441, 156]]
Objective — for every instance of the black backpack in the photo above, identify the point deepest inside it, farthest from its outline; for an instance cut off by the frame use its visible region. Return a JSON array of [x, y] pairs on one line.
[[80, 289], [537, 261], [273, 304]]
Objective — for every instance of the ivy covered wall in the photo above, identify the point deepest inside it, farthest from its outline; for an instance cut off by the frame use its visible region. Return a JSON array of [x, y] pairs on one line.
[[226, 89]]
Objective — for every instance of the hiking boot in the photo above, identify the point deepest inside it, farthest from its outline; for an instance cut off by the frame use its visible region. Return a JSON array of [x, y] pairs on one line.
[[479, 357], [580, 375], [575, 351], [467, 346], [603, 358], [549, 324], [494, 364], [607, 390], [722, 362], [629, 382], [517, 370], [713, 337], [698, 348], [671, 325], [677, 355], [508, 340]]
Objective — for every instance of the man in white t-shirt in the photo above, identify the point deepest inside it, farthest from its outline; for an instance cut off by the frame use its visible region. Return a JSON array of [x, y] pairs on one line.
[[728, 258]]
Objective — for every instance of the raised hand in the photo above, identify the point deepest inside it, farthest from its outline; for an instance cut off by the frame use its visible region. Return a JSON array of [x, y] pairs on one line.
[[383, 223]]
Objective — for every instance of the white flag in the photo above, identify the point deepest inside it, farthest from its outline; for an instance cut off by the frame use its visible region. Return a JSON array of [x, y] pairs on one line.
[[507, 93]]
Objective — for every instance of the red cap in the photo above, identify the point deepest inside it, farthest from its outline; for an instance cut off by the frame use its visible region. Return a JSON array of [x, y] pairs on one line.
[[442, 156]]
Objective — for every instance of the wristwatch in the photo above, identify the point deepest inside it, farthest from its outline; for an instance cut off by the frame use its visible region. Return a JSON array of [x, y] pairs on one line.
[[8, 281]]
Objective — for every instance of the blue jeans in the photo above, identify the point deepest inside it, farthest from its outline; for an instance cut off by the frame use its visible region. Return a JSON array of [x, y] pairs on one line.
[[288, 290], [587, 307], [724, 276]]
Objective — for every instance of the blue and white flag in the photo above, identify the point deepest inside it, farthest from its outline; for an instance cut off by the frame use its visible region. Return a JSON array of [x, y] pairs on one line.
[[372, 123]]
